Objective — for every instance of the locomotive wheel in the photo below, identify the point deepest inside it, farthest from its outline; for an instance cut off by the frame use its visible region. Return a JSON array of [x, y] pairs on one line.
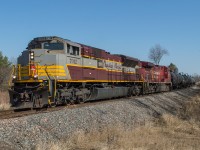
[[77, 101], [81, 99], [37, 102], [15, 101], [65, 102], [71, 102], [86, 97], [135, 91], [129, 92]]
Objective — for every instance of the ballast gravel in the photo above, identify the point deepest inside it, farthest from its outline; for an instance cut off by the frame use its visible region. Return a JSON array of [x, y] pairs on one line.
[[26, 132]]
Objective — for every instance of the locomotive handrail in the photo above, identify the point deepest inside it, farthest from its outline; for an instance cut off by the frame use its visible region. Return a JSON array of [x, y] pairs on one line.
[[37, 69], [50, 84], [19, 71], [29, 71], [55, 82]]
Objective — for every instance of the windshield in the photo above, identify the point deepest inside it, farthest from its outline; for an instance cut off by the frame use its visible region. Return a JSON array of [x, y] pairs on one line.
[[54, 46]]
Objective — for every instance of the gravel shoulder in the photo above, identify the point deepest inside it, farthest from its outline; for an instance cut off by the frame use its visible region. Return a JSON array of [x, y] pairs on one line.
[[26, 132]]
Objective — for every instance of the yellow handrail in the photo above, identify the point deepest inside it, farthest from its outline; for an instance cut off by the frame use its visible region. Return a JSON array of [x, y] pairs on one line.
[[19, 71], [29, 71]]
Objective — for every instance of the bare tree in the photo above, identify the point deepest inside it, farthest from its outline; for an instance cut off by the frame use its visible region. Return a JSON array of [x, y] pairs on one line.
[[156, 53]]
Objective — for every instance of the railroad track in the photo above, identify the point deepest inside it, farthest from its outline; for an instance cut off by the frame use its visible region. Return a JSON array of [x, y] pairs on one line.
[[15, 113], [6, 114]]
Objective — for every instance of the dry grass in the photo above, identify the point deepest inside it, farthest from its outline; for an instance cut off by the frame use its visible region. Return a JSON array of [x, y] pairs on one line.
[[175, 135], [191, 110], [198, 83], [167, 132], [4, 100]]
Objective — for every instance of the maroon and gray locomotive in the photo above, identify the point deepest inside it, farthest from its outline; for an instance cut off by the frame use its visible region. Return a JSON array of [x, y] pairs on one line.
[[53, 71]]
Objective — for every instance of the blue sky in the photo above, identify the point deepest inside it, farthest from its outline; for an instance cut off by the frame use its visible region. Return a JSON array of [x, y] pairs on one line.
[[129, 27]]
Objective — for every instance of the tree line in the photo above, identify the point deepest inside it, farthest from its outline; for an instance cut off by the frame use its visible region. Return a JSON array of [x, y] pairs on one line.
[[5, 71]]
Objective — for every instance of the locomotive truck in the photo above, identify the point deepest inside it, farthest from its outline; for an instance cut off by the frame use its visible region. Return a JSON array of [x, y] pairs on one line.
[[53, 71]]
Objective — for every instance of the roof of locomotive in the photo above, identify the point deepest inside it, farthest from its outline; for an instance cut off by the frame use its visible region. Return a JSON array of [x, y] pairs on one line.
[[50, 38], [147, 64]]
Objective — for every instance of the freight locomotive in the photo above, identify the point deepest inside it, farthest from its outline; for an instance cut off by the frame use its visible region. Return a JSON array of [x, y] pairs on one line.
[[53, 71]]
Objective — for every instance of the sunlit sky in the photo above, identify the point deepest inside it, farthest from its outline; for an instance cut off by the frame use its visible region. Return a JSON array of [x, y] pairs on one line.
[[129, 27]]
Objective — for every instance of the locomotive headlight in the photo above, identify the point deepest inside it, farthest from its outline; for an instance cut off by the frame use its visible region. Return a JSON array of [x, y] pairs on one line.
[[14, 77], [32, 55]]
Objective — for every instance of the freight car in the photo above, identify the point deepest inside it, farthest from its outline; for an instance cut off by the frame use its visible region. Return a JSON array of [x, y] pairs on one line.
[[53, 71], [180, 80]]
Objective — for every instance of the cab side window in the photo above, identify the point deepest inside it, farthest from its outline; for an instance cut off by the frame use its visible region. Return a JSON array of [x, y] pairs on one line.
[[68, 48], [75, 50], [72, 50]]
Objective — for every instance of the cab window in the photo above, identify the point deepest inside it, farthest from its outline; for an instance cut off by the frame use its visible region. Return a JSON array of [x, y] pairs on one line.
[[54, 46], [72, 50]]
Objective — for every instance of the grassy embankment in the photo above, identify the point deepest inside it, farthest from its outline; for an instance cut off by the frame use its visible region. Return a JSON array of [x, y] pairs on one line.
[[167, 132]]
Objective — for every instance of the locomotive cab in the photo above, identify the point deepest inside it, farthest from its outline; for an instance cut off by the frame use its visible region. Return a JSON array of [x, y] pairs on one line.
[[39, 67]]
